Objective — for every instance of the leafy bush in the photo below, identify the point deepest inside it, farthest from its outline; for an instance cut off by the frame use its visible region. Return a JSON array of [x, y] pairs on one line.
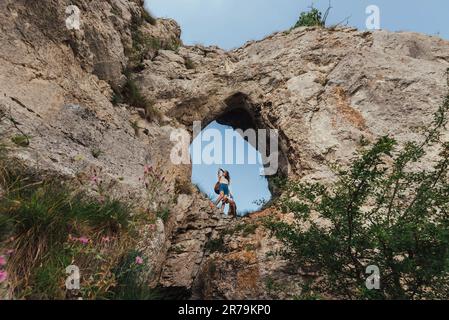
[[385, 210], [312, 18]]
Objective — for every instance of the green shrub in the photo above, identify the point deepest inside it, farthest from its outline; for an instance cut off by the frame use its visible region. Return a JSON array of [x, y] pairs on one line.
[[384, 211], [312, 18], [216, 245]]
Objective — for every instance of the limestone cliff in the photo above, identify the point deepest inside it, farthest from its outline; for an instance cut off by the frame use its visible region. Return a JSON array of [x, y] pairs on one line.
[[323, 89]]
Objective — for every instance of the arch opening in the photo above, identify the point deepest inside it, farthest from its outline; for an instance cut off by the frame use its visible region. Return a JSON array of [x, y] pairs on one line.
[[222, 136]]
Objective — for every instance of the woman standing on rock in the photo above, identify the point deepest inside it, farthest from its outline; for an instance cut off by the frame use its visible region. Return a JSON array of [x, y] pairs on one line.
[[222, 188]]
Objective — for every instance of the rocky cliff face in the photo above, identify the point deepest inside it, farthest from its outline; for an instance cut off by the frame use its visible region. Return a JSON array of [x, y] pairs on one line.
[[323, 89]]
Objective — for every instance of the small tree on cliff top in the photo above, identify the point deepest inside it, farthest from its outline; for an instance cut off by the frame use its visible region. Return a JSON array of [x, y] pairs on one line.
[[382, 211], [312, 18]]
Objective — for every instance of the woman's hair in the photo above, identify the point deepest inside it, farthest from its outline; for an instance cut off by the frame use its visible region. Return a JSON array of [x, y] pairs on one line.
[[227, 176]]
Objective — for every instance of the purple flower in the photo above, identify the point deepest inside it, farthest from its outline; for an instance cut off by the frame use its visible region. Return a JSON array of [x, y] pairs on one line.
[[139, 260], [2, 260], [3, 276]]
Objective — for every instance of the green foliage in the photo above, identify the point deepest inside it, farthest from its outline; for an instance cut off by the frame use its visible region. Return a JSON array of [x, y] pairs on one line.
[[312, 18], [190, 65], [96, 152], [129, 286], [163, 214], [143, 43], [245, 229], [40, 216], [51, 209], [21, 140], [132, 95], [46, 279], [389, 209], [273, 286], [215, 245]]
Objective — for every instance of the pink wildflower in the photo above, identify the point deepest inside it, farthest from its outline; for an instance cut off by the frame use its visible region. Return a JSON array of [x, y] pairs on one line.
[[95, 179], [2, 260], [147, 169], [139, 260], [3, 276], [83, 240]]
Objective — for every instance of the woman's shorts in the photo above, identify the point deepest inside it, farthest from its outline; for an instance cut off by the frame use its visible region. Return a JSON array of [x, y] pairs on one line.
[[224, 188]]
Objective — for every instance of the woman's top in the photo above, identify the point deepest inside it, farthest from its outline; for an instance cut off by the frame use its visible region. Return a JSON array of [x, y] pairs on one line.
[[222, 178]]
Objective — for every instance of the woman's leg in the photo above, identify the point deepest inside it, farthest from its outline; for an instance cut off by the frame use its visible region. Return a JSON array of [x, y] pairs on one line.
[[220, 197], [232, 208], [225, 200]]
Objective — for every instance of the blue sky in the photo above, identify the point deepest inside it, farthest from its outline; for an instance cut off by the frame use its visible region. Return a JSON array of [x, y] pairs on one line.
[[230, 23], [247, 185]]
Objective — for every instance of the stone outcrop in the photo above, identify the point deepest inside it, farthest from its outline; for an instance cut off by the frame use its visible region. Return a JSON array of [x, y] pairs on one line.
[[323, 89]]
